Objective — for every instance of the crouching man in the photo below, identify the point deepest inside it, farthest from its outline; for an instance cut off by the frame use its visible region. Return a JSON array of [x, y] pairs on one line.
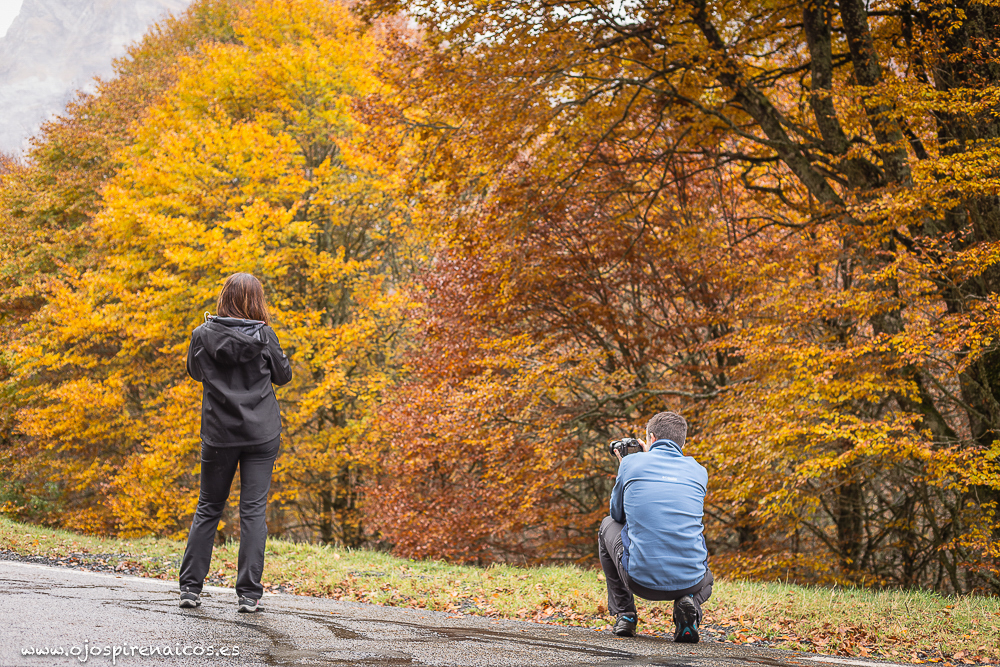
[[653, 545]]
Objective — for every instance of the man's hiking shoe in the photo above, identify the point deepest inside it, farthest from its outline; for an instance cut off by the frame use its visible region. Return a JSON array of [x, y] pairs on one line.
[[247, 606], [685, 620], [189, 599], [625, 625]]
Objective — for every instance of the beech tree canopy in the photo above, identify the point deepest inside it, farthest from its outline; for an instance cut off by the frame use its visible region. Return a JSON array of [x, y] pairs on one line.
[[497, 235]]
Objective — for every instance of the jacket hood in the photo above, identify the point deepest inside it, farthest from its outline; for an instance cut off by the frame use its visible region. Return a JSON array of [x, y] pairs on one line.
[[231, 341]]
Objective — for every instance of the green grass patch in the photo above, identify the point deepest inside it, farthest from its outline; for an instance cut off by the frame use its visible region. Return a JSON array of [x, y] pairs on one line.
[[911, 626]]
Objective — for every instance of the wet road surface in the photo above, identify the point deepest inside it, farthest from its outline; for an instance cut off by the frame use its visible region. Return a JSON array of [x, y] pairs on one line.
[[137, 622]]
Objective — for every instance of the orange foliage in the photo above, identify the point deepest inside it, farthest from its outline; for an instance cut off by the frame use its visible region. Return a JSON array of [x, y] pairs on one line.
[[837, 166], [498, 244], [241, 162]]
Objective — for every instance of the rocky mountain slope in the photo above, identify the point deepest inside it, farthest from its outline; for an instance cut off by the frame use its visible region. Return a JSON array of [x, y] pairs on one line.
[[55, 47]]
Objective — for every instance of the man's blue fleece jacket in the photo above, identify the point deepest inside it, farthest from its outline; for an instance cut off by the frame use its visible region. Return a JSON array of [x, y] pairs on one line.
[[660, 497]]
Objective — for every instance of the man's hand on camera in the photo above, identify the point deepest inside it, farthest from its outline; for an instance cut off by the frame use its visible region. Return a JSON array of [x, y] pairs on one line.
[[645, 448]]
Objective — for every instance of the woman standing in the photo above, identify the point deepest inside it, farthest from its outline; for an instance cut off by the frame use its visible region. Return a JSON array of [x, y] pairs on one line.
[[236, 356]]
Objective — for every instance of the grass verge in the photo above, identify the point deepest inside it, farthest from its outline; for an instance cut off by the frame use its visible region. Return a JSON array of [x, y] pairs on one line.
[[911, 626]]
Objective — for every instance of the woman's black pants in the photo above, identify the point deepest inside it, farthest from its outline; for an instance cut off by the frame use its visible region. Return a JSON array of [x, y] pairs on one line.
[[218, 467]]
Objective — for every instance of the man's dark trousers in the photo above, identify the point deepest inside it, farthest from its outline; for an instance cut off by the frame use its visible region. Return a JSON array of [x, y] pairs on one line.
[[218, 467], [620, 588]]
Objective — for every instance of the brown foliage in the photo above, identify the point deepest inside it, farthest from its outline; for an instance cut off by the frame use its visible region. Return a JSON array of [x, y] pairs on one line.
[[831, 280], [782, 220]]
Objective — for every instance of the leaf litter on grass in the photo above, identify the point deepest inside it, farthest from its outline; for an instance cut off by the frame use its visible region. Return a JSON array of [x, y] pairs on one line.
[[912, 626]]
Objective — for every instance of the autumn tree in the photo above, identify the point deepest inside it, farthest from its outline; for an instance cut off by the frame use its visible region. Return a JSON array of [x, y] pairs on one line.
[[850, 421], [780, 219], [243, 162], [47, 201], [534, 350]]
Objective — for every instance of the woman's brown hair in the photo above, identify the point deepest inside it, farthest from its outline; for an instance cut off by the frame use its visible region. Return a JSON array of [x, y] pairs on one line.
[[242, 296]]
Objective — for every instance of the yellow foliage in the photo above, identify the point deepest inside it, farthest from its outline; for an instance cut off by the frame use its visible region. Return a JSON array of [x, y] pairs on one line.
[[240, 165]]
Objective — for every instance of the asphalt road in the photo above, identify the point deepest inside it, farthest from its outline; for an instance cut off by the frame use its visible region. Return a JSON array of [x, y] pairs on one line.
[[100, 619]]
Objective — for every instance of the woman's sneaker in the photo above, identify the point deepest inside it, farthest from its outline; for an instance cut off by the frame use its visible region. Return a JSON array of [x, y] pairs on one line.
[[189, 599], [685, 620], [625, 625], [247, 605]]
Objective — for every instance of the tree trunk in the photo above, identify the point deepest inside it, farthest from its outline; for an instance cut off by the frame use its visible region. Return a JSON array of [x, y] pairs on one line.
[[850, 522]]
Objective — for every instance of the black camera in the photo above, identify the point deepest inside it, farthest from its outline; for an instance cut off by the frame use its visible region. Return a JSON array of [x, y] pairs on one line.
[[625, 446]]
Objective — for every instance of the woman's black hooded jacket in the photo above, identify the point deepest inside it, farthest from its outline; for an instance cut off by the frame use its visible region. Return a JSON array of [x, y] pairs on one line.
[[236, 361]]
